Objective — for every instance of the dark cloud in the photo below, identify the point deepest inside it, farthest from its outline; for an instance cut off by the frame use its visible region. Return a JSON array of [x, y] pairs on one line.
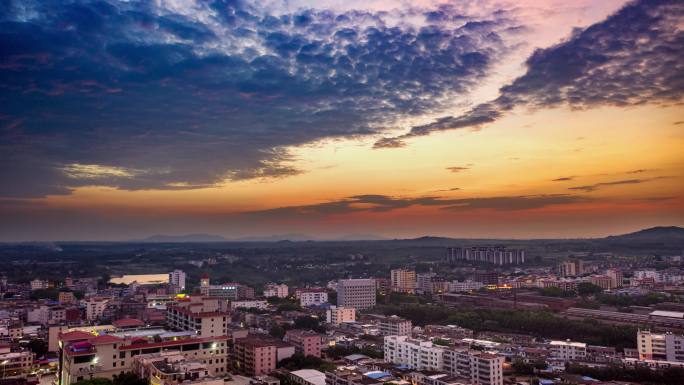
[[186, 97], [456, 169], [641, 171], [563, 179], [631, 58], [384, 203], [596, 186]]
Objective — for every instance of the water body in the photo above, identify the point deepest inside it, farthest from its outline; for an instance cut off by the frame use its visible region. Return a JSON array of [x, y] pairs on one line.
[[143, 279]]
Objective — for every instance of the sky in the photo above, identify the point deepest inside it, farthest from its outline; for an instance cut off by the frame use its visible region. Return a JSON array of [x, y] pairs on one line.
[[502, 119]]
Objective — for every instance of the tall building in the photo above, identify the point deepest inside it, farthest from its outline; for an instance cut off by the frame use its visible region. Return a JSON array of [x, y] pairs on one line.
[[571, 268], [232, 290], [616, 277], [497, 255], [204, 316], [313, 297], [255, 356], [38, 284], [568, 350], [403, 281], [394, 326], [424, 282], [337, 315], [660, 346], [356, 293], [95, 307], [177, 279]]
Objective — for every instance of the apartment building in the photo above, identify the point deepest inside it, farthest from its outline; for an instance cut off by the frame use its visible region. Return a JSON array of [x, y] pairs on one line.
[[177, 279], [232, 290], [393, 325], [337, 315], [660, 346], [437, 378], [480, 367], [495, 254], [15, 363], [255, 356], [66, 297], [424, 282], [313, 297], [83, 355], [306, 342], [38, 284], [95, 307], [274, 290], [203, 315], [403, 280], [568, 350], [172, 368], [356, 293], [616, 276]]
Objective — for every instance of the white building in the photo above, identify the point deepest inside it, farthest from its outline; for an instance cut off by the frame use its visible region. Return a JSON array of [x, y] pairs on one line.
[[95, 307], [394, 326], [568, 350], [249, 304], [38, 284], [177, 279], [480, 367], [456, 286], [356, 293], [337, 315], [313, 298], [660, 346], [273, 290]]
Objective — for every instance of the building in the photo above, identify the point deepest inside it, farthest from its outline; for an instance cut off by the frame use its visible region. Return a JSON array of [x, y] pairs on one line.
[[38, 284], [497, 255], [255, 356], [306, 342], [83, 355], [458, 287], [249, 304], [568, 350], [486, 277], [660, 346], [356, 293], [274, 290], [95, 307], [15, 363], [66, 297], [232, 290], [571, 268], [437, 378], [403, 281], [172, 368], [204, 316], [478, 366], [177, 279], [337, 315], [616, 277], [394, 325], [307, 377], [602, 281], [314, 297]]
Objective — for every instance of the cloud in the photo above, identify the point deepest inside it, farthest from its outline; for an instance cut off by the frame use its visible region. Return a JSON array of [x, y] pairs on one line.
[[631, 58], [596, 186], [385, 203], [456, 169], [198, 92], [563, 179]]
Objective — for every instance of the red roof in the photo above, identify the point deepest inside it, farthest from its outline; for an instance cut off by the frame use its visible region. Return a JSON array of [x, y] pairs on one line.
[[105, 339], [74, 336], [127, 322]]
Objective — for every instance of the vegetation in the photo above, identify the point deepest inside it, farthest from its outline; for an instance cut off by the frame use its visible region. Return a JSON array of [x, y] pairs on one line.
[[299, 361], [338, 351], [538, 323], [640, 375]]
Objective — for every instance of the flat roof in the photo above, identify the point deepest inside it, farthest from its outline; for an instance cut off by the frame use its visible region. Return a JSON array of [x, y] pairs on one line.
[[666, 313]]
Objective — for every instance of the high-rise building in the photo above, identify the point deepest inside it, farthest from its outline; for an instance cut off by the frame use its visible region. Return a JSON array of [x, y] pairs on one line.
[[177, 279], [660, 346], [403, 281], [394, 325], [356, 293], [424, 282], [255, 356], [306, 342], [571, 268], [497, 255], [274, 290], [204, 316], [313, 297], [616, 276]]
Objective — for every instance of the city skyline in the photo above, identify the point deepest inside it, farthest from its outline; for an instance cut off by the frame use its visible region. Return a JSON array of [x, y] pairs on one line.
[[526, 119]]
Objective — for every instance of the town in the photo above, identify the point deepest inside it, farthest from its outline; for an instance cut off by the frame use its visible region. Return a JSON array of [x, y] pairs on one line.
[[506, 320]]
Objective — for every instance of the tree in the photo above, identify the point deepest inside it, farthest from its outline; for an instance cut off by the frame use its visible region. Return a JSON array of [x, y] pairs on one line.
[[38, 346], [585, 289], [128, 378]]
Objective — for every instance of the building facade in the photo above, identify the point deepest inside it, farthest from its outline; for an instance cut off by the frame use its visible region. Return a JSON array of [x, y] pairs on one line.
[[356, 293]]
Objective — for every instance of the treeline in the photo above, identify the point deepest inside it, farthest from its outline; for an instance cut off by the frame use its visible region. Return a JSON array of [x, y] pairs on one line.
[[639, 375], [539, 323]]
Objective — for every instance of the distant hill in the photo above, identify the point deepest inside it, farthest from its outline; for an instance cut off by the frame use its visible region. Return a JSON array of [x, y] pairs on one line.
[[183, 238], [277, 238], [660, 233]]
